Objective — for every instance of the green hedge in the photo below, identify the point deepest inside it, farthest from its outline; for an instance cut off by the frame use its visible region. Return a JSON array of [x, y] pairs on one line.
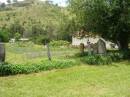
[[11, 69]]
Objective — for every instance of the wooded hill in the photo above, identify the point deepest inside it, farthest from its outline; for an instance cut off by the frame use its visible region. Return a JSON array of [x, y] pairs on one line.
[[32, 18]]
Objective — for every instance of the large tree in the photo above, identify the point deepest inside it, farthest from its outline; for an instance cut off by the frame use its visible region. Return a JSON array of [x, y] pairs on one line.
[[108, 18], [8, 1]]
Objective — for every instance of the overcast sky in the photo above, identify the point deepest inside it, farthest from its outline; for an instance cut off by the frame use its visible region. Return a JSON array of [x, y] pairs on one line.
[[59, 2]]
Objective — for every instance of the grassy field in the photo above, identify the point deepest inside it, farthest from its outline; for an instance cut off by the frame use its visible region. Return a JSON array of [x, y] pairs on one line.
[[30, 53], [78, 81]]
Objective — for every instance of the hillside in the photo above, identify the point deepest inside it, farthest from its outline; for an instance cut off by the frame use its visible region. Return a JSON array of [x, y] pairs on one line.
[[33, 17]]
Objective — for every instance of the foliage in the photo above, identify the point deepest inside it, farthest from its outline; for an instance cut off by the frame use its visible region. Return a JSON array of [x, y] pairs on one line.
[[108, 18], [16, 29], [119, 55], [109, 58], [97, 60], [17, 36], [59, 43], [4, 35], [42, 40], [10, 69], [8, 1]]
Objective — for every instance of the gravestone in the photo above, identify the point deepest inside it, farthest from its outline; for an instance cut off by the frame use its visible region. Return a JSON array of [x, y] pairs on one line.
[[101, 46], [2, 52], [90, 49], [95, 48]]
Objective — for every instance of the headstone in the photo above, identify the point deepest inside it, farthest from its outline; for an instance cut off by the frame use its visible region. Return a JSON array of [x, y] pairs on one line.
[[82, 48], [89, 46], [2, 52], [101, 47], [95, 48]]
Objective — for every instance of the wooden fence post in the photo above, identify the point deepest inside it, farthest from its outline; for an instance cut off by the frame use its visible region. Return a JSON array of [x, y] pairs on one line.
[[48, 52], [2, 52]]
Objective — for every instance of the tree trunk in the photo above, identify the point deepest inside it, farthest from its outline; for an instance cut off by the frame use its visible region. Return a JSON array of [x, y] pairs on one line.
[[123, 45], [123, 41]]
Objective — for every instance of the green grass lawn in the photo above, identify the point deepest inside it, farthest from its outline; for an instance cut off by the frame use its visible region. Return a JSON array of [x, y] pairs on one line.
[[78, 81]]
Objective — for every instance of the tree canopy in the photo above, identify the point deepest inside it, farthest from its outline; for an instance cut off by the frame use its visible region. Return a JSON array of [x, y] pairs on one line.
[[108, 18]]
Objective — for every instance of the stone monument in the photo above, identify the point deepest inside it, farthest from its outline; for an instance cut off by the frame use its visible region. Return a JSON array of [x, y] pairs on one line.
[[101, 46]]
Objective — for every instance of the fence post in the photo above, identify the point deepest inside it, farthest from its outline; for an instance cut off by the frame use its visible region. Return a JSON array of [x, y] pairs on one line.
[[48, 52], [2, 52]]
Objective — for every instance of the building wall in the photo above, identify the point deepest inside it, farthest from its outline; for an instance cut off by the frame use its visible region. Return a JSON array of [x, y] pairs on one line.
[[76, 42]]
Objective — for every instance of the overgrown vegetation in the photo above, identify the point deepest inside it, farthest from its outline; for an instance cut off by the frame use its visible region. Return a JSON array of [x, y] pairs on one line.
[[12, 69], [107, 59]]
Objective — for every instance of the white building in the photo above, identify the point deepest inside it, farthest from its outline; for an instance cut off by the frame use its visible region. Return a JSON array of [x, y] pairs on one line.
[[77, 40]]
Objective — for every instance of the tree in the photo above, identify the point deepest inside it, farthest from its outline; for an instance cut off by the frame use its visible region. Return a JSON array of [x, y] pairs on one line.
[[17, 36], [15, 1], [4, 35], [108, 18], [8, 1], [2, 5], [16, 27]]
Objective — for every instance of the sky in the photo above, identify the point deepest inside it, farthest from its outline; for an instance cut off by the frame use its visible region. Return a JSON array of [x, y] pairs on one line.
[[59, 2]]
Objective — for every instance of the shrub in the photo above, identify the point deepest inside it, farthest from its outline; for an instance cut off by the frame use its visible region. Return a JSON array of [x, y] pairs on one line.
[[97, 60], [4, 36], [111, 56], [17, 36], [40, 39], [59, 43], [119, 55], [10, 69]]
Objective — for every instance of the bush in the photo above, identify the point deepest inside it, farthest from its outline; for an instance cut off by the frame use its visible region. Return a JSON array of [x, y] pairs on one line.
[[4, 36], [119, 55], [111, 56], [10, 69], [59, 43], [97, 60], [17, 36], [40, 40]]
